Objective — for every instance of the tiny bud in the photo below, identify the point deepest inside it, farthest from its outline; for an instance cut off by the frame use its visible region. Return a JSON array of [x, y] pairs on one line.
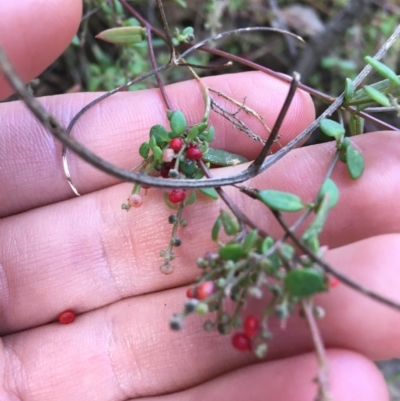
[[255, 292], [190, 305], [183, 222], [319, 312], [162, 253], [208, 325], [176, 322], [167, 268], [202, 263], [168, 155], [135, 200], [223, 328], [176, 241], [173, 173], [202, 308], [221, 282], [261, 350], [225, 318], [172, 219]]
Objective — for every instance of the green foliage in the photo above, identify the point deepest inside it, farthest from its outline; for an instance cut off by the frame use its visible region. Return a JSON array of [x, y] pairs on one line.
[[304, 282], [280, 201]]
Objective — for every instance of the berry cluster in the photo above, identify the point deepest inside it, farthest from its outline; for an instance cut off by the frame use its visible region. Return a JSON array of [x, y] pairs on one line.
[[250, 266]]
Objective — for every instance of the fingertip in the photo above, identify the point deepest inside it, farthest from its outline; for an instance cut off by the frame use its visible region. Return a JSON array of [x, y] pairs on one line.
[[33, 34]]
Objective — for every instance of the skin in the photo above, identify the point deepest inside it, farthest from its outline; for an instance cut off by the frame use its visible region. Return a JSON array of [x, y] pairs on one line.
[[60, 252]]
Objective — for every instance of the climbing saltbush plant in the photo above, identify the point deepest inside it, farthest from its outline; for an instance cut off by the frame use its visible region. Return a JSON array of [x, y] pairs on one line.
[[282, 274]]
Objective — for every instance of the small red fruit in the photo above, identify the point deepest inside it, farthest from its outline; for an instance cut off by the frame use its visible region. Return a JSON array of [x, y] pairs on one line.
[[251, 326], [66, 317], [176, 195], [241, 342], [194, 153], [190, 293], [204, 290], [176, 144], [333, 282]]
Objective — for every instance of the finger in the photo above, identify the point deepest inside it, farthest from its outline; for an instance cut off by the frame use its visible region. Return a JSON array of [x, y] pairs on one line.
[[126, 350], [34, 34], [115, 128], [291, 379], [90, 253]]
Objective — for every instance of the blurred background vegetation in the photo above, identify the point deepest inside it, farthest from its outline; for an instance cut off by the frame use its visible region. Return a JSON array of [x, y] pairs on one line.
[[336, 43]]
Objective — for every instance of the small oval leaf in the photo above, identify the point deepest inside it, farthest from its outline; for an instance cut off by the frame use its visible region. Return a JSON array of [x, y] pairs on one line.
[[376, 95], [280, 201], [144, 150], [331, 128], [210, 192], [331, 189], [178, 122], [215, 229], [223, 158], [348, 90], [383, 69], [355, 162], [230, 223], [304, 282], [123, 35], [160, 134], [232, 252]]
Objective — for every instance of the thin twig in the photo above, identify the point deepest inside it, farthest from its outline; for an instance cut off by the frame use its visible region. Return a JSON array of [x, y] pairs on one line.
[[323, 371]]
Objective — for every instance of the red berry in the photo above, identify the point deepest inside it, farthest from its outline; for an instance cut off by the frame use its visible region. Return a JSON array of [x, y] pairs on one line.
[[176, 195], [333, 282], [194, 153], [176, 144], [251, 326], [241, 342], [204, 290], [66, 317], [190, 293], [164, 172]]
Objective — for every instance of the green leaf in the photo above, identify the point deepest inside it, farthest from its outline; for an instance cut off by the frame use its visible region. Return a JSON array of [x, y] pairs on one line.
[[230, 223], [348, 90], [160, 134], [193, 132], [383, 69], [215, 229], [152, 143], [355, 162], [223, 158], [266, 244], [178, 122], [362, 100], [188, 168], [315, 228], [210, 192], [144, 150], [281, 201], [304, 282], [123, 35], [332, 128], [356, 125], [250, 240], [157, 153], [210, 134], [376, 95], [191, 199], [330, 188], [232, 252]]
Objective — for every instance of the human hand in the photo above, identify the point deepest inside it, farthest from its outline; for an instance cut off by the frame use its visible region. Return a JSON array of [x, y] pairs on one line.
[[59, 252]]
